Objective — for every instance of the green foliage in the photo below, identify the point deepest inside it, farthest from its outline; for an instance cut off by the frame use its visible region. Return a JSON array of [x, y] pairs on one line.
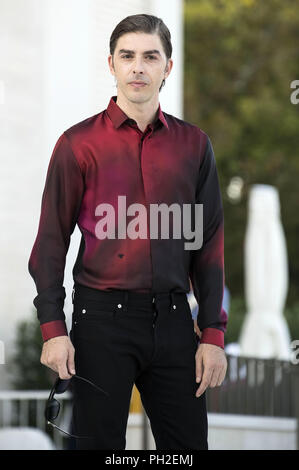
[[27, 371], [292, 318], [237, 314], [236, 317], [240, 59]]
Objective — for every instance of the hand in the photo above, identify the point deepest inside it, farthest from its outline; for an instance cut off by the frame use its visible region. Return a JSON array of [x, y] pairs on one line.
[[211, 365], [58, 354]]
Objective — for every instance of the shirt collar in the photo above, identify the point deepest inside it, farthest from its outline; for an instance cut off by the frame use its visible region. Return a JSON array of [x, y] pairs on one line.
[[118, 116]]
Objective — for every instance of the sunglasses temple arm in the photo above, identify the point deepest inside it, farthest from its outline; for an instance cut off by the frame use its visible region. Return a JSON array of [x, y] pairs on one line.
[[67, 433], [94, 385]]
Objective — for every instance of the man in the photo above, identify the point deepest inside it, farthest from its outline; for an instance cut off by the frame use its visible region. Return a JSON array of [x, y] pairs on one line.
[[131, 320]]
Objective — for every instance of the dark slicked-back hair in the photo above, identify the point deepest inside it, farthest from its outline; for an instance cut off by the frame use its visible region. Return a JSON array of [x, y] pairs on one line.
[[144, 24]]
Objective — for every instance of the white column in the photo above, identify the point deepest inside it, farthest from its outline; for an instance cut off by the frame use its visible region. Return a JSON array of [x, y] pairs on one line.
[[67, 90], [171, 95], [21, 114]]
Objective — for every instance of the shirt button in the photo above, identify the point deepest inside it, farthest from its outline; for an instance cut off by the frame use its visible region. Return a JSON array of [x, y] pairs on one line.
[[119, 305], [83, 311], [174, 307]]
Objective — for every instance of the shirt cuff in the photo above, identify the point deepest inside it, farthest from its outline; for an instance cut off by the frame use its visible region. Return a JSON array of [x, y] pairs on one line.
[[213, 336], [53, 328]]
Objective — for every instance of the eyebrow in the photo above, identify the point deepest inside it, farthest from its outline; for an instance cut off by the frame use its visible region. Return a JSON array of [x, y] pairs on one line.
[[128, 51]]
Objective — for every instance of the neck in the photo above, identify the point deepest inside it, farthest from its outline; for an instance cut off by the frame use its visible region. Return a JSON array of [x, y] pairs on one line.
[[143, 113]]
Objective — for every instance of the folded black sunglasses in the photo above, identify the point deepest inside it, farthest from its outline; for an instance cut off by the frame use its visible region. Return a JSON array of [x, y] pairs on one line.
[[53, 406]]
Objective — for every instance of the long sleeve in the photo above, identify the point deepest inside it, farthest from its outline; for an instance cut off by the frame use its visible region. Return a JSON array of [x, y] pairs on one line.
[[60, 207], [207, 263]]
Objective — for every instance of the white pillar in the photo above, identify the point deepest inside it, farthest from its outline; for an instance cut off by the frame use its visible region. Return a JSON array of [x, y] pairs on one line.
[[171, 95], [67, 91]]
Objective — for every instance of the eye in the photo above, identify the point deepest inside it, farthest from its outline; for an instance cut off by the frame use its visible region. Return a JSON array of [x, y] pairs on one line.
[[151, 57], [126, 56]]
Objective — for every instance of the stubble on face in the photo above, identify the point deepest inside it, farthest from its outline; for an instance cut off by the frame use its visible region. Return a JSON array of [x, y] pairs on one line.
[[140, 57]]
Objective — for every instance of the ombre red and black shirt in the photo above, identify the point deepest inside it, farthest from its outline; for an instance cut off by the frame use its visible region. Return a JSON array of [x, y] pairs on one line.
[[106, 156]]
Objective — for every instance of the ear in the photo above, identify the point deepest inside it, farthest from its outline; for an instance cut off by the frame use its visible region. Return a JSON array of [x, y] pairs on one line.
[[111, 64], [168, 68]]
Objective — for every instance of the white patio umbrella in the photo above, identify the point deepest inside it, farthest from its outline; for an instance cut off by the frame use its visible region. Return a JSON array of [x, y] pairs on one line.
[[265, 333]]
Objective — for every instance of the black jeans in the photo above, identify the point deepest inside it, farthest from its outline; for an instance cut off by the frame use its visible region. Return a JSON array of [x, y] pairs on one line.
[[121, 338]]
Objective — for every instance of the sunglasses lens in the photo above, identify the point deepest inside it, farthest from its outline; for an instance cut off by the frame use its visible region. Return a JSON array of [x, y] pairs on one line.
[[52, 410]]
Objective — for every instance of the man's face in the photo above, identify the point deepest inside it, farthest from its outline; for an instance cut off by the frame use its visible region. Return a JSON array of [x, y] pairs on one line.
[[139, 57]]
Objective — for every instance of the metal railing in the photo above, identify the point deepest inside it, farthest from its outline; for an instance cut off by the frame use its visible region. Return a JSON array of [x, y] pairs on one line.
[[26, 408], [260, 387], [252, 386], [264, 387]]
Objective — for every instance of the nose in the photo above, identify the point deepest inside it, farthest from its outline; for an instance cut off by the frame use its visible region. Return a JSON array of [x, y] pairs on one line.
[[138, 66]]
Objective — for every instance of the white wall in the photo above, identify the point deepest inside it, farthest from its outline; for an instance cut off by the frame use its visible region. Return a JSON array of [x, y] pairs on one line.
[[244, 432], [21, 154], [171, 96], [230, 432], [53, 73]]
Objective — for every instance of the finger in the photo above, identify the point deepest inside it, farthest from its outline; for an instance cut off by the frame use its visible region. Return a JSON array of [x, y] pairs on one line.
[[63, 372], [215, 377], [44, 356], [205, 381], [51, 366], [71, 363], [222, 376], [51, 362], [223, 372], [198, 368], [202, 388]]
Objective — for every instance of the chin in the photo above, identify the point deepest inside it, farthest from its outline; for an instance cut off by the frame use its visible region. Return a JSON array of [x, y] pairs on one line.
[[138, 97]]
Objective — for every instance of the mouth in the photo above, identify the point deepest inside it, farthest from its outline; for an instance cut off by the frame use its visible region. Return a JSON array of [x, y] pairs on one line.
[[137, 84]]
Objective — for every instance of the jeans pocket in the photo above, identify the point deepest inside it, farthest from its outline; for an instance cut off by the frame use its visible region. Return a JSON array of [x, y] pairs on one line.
[[90, 310]]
